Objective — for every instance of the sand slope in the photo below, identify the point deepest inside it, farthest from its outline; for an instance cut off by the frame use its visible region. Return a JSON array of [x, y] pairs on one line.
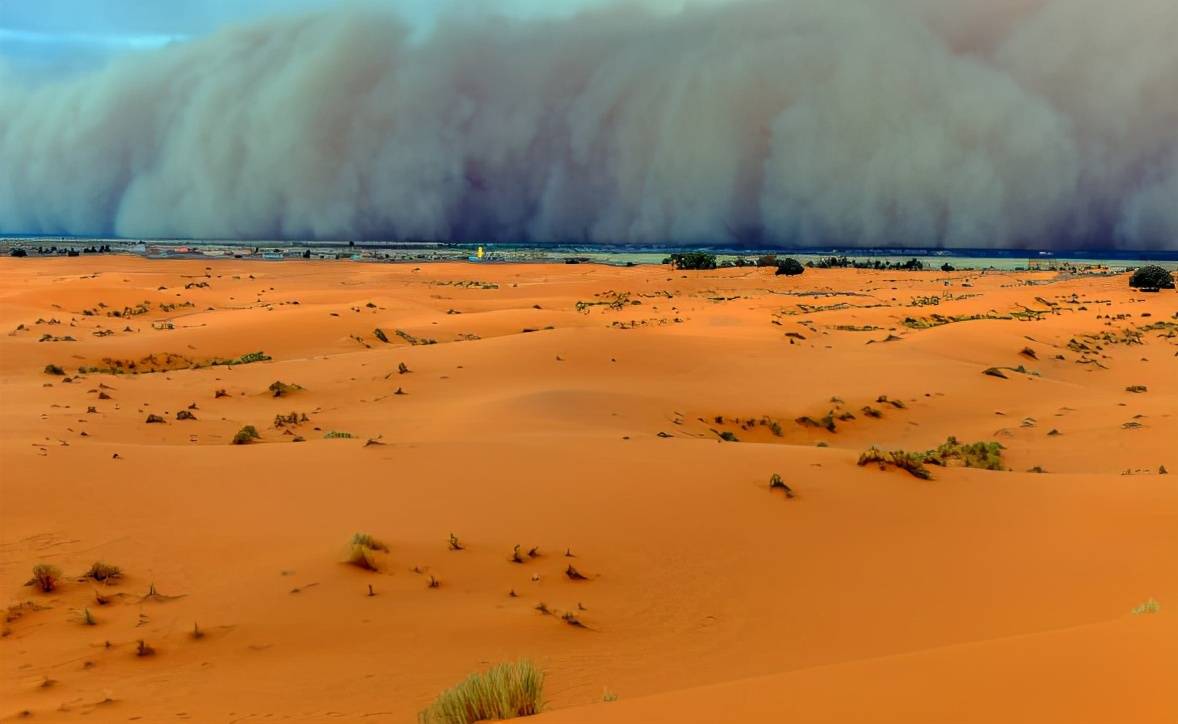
[[871, 596]]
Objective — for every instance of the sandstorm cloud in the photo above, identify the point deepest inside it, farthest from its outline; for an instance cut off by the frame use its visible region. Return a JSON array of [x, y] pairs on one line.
[[968, 123]]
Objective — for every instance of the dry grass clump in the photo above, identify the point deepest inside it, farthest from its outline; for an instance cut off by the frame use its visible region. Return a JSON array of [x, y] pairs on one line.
[[505, 691], [362, 551], [912, 462], [1138, 389], [154, 419], [775, 483], [984, 455], [281, 389], [45, 577], [246, 435], [100, 571], [52, 369], [826, 422], [1150, 606]]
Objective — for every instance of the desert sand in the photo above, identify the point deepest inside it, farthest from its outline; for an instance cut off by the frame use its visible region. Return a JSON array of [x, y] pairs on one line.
[[581, 410]]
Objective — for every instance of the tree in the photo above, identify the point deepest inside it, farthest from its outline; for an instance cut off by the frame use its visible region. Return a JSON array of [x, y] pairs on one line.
[[693, 260], [789, 267], [1151, 278], [18, 252]]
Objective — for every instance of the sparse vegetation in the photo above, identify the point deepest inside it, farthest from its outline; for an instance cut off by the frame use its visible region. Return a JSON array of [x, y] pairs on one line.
[[105, 572], [505, 691], [1136, 389], [46, 577], [1151, 278], [55, 370], [1149, 606], [454, 544], [363, 550], [154, 419], [379, 334], [776, 483], [983, 455], [278, 388], [912, 462], [789, 267], [246, 435], [337, 435], [692, 260]]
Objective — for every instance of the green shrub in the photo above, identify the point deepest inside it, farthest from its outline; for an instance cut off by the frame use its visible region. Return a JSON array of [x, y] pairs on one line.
[[912, 462], [790, 267], [246, 435], [505, 691], [984, 455], [1151, 278], [692, 260], [45, 576], [280, 389]]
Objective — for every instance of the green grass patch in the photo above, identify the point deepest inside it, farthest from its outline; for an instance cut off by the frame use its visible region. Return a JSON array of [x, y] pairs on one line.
[[504, 691]]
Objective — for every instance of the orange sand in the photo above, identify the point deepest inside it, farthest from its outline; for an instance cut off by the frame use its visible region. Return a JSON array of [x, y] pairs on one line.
[[979, 596]]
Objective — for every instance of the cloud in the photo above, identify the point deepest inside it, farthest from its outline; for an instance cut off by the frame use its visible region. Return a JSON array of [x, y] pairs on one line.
[[1014, 123]]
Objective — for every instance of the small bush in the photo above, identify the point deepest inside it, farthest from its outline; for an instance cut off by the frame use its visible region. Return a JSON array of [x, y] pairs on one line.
[[362, 550], [379, 334], [54, 370], [1137, 389], [692, 260], [246, 435], [100, 571], [280, 389], [1151, 278], [984, 455], [46, 577], [912, 462], [790, 267], [336, 435], [1150, 606], [505, 691]]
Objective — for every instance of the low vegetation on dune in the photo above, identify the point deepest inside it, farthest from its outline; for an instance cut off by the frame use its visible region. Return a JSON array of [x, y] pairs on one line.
[[363, 551], [505, 691], [1151, 279], [912, 462], [105, 572], [692, 260], [246, 435], [45, 577], [982, 455], [278, 388]]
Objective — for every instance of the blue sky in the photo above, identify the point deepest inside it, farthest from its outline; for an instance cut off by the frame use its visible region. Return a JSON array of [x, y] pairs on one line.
[[55, 37]]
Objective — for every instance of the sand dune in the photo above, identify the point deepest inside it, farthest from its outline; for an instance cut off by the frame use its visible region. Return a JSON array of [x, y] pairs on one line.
[[581, 409]]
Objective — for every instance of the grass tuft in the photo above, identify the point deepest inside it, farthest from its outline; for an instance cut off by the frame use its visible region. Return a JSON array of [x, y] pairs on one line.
[[362, 551], [46, 577], [100, 571], [1150, 606], [505, 691], [246, 435]]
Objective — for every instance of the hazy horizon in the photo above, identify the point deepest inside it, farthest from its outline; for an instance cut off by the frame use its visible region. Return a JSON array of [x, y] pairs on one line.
[[1020, 124]]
